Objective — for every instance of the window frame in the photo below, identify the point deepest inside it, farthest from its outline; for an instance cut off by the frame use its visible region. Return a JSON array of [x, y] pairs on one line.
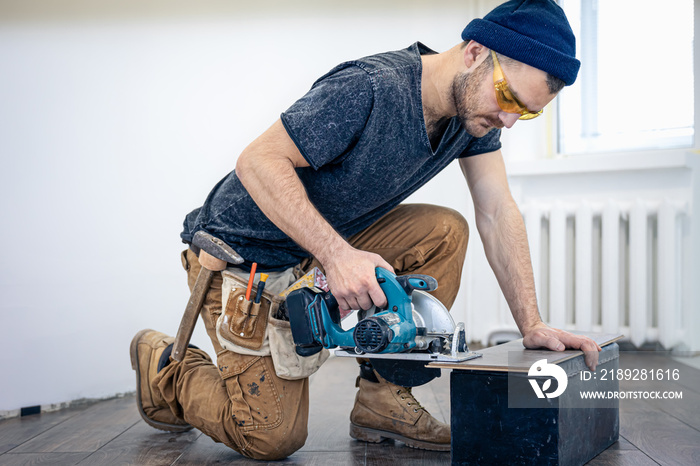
[[591, 141]]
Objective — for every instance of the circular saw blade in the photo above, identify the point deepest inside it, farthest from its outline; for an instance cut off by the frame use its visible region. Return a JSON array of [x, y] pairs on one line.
[[431, 314]]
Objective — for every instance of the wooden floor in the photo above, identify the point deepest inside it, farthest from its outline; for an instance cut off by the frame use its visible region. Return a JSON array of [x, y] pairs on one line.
[[111, 432]]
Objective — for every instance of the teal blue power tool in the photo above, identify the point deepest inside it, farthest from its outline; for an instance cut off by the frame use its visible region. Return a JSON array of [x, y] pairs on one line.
[[315, 318], [412, 330]]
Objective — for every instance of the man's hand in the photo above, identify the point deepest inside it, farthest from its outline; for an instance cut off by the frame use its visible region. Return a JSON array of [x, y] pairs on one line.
[[352, 280], [543, 336]]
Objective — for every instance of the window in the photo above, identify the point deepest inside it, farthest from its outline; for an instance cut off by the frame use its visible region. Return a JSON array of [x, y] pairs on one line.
[[635, 89]]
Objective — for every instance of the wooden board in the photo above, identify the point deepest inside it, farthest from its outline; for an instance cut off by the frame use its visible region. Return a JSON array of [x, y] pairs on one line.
[[514, 357]]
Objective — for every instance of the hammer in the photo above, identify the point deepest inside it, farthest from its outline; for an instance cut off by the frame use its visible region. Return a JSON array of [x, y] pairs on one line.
[[214, 255]]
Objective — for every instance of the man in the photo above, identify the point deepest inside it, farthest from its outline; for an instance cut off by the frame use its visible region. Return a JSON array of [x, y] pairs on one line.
[[323, 186]]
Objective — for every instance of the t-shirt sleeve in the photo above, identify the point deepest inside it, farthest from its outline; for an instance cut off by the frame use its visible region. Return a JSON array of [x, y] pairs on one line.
[[328, 121], [489, 143]]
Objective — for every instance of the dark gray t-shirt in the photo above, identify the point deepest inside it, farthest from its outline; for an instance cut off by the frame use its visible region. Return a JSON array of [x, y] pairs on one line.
[[361, 128]]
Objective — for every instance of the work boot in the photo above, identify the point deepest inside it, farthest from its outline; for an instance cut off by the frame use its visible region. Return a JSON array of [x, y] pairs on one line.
[[146, 350], [383, 410]]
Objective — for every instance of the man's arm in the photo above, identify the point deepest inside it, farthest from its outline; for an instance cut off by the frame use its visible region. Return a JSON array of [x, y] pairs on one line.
[[503, 233], [266, 168]]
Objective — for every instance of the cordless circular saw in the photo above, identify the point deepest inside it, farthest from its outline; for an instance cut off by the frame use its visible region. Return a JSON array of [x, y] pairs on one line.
[[412, 330]]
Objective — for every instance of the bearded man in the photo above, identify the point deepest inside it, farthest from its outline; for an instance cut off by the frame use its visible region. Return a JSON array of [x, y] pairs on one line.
[[324, 186]]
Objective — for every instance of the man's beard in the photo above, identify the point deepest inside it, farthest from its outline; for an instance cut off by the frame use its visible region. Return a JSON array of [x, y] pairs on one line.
[[468, 103]]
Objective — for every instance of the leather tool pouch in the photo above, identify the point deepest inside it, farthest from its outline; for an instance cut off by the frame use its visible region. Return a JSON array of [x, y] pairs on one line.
[[243, 322], [245, 327]]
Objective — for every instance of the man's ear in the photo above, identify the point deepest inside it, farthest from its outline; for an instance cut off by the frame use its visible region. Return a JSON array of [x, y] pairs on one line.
[[474, 53]]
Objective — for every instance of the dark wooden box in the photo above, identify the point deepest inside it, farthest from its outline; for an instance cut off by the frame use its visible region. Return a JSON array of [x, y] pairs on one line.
[[498, 419]]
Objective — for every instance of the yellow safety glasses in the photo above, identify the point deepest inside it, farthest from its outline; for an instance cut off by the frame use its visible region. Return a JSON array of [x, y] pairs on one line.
[[505, 98]]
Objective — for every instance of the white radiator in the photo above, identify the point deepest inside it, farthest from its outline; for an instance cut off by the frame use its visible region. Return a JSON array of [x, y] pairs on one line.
[[611, 266]]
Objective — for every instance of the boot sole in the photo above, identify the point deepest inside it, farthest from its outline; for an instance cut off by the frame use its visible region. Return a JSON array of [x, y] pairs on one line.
[[134, 352], [370, 435]]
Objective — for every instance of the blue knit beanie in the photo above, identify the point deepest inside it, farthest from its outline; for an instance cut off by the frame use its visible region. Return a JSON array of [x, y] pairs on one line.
[[534, 32]]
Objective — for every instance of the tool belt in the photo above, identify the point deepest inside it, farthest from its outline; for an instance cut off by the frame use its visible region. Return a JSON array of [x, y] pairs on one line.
[[246, 327]]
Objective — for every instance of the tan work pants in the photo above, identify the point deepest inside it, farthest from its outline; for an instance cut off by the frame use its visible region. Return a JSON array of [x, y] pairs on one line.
[[240, 401]]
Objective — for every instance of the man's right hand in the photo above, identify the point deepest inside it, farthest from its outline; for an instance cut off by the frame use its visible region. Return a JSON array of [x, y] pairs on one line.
[[352, 279]]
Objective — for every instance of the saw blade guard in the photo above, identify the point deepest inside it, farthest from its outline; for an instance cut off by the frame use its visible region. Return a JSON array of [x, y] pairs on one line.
[[429, 313]]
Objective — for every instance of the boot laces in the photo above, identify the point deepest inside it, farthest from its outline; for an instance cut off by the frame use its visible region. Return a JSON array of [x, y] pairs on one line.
[[412, 399]]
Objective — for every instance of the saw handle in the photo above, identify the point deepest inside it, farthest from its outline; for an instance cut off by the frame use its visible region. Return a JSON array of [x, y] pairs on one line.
[[407, 282], [417, 282], [333, 308]]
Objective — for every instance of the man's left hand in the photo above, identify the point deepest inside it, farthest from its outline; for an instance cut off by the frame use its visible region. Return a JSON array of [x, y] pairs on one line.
[[544, 336]]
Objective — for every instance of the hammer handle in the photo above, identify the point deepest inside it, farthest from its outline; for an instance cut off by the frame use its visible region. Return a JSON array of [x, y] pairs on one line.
[[210, 265]]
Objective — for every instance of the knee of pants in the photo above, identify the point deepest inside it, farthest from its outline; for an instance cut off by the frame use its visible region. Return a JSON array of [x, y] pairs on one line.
[[453, 222], [453, 227], [269, 445]]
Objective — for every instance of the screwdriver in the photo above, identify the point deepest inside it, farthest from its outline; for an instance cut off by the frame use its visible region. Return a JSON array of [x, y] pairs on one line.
[[261, 287]]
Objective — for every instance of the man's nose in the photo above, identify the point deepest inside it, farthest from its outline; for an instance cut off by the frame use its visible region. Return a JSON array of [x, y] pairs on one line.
[[508, 119]]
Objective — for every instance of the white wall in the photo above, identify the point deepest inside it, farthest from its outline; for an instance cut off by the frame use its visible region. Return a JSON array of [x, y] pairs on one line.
[[116, 119]]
